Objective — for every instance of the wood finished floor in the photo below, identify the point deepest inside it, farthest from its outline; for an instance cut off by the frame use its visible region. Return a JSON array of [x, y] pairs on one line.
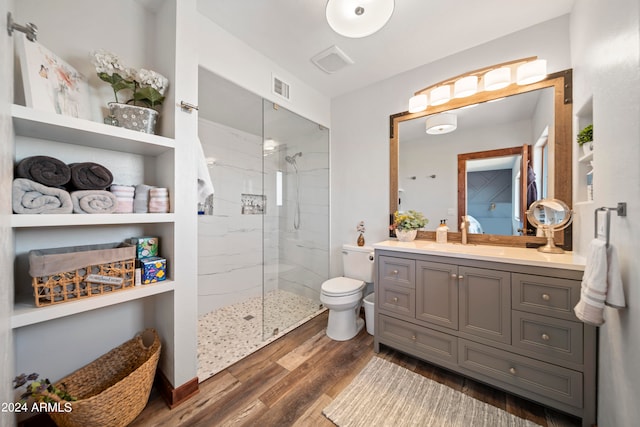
[[290, 381]]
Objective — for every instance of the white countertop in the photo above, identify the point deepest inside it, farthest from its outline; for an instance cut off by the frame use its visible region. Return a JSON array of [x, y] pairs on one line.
[[505, 254]]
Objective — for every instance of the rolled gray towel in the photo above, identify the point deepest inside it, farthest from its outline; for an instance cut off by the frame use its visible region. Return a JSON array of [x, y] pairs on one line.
[[89, 176], [30, 197], [141, 198], [94, 202], [45, 170]]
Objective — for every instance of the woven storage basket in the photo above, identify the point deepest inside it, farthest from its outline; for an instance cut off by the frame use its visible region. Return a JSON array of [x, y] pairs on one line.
[[113, 389], [71, 273]]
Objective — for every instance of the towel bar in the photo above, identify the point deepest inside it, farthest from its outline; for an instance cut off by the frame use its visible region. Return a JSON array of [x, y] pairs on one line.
[[621, 210]]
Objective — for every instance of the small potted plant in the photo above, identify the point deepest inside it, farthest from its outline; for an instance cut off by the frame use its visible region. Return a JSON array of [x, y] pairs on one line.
[[44, 395], [145, 88], [585, 139], [406, 224]]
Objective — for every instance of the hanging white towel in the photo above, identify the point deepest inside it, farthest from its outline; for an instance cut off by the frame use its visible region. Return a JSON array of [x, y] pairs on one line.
[[601, 284], [205, 186]]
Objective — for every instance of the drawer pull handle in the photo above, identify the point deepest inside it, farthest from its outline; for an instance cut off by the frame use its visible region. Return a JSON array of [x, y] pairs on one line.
[[454, 276], [413, 337], [461, 277], [545, 337], [546, 297], [395, 272], [512, 371], [395, 299]]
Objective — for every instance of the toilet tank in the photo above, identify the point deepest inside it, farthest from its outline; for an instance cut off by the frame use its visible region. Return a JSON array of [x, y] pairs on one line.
[[358, 262]]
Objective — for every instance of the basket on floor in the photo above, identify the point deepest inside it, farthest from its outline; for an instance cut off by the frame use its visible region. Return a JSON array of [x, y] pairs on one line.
[[113, 389]]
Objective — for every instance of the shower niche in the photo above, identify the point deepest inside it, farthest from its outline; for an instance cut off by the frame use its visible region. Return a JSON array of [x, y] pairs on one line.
[[264, 253]]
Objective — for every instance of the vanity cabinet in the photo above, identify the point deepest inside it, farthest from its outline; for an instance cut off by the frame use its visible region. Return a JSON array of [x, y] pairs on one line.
[[506, 324]]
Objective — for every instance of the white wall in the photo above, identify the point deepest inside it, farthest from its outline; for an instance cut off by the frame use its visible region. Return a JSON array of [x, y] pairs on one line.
[[360, 127], [605, 48], [225, 55]]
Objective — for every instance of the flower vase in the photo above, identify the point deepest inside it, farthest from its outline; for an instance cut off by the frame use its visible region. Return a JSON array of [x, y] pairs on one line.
[[587, 147], [142, 119], [406, 235], [361, 240]]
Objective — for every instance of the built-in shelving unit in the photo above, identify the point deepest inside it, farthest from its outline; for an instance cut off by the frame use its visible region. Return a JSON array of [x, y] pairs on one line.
[[86, 328], [25, 313], [583, 117]]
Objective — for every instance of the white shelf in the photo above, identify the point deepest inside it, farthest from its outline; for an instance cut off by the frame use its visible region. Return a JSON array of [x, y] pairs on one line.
[[44, 125], [586, 158], [66, 220], [25, 313]]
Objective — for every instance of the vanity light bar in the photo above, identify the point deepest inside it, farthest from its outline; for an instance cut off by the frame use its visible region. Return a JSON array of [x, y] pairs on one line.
[[527, 70]]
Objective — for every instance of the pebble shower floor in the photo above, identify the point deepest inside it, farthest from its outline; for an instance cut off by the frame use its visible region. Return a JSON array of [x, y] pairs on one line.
[[231, 333]]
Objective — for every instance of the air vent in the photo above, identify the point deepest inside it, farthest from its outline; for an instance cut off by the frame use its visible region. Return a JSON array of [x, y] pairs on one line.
[[331, 60], [280, 87]]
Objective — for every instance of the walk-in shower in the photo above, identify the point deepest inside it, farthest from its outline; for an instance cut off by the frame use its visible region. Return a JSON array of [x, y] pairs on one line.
[[296, 216], [263, 254]]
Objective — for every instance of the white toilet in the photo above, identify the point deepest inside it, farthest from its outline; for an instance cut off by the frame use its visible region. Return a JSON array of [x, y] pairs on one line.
[[343, 295]]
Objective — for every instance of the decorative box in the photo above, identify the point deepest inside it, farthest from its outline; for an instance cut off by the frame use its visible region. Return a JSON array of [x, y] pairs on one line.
[[146, 246], [153, 269]]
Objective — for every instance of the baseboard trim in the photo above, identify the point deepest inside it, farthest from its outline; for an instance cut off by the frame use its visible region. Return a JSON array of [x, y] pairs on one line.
[[176, 396]]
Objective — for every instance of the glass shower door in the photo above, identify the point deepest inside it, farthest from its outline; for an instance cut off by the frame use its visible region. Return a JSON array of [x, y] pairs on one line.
[[295, 218]]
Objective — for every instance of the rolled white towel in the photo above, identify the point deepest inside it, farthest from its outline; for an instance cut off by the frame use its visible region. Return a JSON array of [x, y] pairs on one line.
[[30, 197], [94, 202]]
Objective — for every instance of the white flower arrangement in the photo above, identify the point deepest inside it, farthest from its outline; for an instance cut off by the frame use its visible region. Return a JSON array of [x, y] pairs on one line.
[[146, 86], [360, 227]]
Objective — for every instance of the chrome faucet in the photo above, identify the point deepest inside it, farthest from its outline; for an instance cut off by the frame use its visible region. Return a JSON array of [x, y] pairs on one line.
[[464, 228]]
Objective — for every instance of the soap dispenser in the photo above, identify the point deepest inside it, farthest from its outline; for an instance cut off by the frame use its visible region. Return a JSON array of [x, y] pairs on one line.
[[441, 232]]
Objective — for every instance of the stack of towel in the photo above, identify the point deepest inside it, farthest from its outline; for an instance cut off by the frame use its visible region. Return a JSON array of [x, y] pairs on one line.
[[124, 195], [159, 200], [141, 198], [601, 284]]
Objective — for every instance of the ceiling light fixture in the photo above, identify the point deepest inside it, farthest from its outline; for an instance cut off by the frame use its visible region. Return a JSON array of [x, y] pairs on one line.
[[439, 124], [358, 18], [418, 103], [527, 71]]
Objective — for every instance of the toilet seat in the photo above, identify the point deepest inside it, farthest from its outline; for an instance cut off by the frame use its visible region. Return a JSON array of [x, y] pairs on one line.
[[341, 286]]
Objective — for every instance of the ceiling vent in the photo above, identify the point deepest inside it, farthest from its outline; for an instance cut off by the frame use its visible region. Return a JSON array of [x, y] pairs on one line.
[[331, 60], [280, 87]]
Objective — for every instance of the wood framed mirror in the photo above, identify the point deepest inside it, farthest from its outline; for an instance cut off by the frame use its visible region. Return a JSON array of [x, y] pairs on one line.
[[421, 177]]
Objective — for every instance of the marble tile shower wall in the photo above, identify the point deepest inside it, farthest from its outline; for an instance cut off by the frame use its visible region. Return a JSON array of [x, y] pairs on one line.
[[230, 243], [304, 253]]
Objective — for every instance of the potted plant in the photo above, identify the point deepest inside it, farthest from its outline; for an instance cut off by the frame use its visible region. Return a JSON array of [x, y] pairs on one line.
[[43, 395], [145, 88], [585, 139], [406, 224]]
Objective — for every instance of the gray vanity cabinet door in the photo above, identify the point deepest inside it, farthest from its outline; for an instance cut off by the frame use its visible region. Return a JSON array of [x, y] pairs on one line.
[[437, 293], [485, 303]]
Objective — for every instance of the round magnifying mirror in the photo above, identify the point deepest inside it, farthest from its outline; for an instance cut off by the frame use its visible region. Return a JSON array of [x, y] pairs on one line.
[[550, 215]]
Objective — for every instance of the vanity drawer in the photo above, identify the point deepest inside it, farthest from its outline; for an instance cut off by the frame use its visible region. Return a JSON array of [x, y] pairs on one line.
[[397, 299], [550, 381], [397, 271], [418, 340], [549, 337], [545, 295]]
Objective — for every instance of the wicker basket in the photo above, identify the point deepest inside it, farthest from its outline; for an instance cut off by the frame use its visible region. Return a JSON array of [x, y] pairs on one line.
[[113, 389], [67, 274]]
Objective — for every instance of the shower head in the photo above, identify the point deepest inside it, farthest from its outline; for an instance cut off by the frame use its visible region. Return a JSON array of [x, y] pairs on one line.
[[292, 159]]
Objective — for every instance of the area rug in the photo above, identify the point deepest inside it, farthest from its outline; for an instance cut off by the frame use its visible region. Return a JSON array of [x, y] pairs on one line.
[[385, 394]]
